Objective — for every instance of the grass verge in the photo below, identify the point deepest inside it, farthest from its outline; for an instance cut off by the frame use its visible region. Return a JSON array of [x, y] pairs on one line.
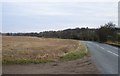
[[73, 56], [24, 61], [79, 53], [117, 44]]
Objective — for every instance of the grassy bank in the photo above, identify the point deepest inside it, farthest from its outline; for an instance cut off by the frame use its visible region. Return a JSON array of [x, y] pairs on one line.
[[26, 50], [117, 44]]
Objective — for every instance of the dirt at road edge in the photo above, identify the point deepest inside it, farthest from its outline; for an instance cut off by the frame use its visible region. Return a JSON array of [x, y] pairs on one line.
[[79, 66]]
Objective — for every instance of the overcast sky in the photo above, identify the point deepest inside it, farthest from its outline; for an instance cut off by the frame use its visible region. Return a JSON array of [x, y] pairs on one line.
[[44, 15]]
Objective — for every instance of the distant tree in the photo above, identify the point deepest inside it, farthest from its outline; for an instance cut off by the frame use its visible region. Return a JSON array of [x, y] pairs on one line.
[[106, 32]]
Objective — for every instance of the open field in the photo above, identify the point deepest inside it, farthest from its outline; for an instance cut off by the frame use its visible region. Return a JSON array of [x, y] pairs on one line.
[[23, 50]]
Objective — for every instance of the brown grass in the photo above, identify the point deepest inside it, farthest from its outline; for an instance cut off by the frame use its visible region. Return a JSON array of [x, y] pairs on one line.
[[27, 48], [115, 43]]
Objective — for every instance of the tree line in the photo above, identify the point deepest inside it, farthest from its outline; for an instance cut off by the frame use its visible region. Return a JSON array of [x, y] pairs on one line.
[[106, 32]]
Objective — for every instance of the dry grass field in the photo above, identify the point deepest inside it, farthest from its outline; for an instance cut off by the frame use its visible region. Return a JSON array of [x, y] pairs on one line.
[[21, 49]]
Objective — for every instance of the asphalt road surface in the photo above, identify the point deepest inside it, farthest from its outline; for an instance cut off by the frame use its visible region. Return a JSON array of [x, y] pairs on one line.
[[105, 57]]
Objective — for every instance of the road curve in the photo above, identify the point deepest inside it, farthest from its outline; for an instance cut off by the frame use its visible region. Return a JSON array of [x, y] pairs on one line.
[[105, 57]]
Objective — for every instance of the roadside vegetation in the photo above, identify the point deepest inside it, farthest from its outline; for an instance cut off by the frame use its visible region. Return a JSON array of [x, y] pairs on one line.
[[107, 33], [26, 50], [114, 43], [50, 46], [80, 52]]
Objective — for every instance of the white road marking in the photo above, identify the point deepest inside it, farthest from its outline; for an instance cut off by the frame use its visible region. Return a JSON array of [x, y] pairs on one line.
[[105, 49], [112, 53]]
